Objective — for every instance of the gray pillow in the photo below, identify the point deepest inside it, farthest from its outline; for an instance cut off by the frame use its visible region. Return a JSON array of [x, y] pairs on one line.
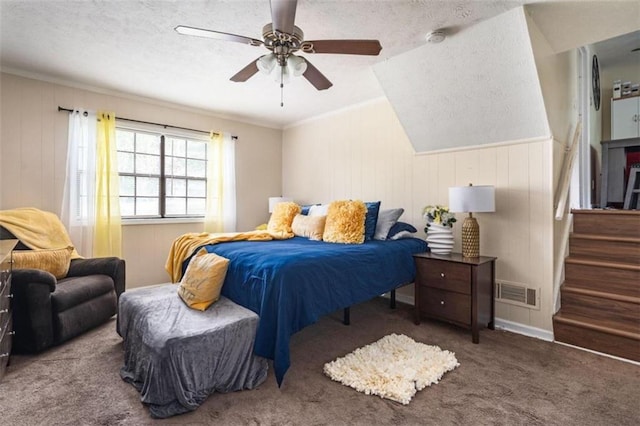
[[403, 234], [386, 219]]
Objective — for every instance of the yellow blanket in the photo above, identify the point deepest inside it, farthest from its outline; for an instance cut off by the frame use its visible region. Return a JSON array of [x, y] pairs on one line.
[[183, 246], [37, 229]]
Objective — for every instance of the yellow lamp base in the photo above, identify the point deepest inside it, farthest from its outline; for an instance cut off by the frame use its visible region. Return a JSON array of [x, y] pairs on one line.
[[470, 237]]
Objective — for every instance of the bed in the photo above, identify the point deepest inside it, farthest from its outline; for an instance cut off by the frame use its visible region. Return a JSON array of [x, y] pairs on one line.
[[291, 283]]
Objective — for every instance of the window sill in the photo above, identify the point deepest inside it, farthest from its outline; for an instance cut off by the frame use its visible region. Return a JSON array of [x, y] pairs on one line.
[[162, 221]]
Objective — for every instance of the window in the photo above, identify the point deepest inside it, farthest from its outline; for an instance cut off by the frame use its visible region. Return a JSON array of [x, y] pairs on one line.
[[161, 175]]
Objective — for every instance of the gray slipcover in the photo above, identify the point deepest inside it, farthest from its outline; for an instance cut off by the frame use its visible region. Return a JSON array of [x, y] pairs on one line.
[[176, 356]]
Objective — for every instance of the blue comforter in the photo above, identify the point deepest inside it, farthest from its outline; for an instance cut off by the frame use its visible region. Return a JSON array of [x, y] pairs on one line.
[[291, 283]]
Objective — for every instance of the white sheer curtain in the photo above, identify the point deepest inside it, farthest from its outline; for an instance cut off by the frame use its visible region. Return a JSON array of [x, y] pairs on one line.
[[229, 183], [220, 213], [78, 202]]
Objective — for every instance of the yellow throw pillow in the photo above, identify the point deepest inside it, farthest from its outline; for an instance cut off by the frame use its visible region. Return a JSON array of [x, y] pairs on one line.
[[279, 225], [55, 261], [311, 227], [202, 281], [345, 222]]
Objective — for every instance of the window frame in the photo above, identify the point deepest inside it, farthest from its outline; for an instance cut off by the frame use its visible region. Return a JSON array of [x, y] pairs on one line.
[[162, 175]]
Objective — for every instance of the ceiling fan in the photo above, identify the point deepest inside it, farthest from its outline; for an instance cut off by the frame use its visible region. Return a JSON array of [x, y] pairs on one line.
[[284, 39]]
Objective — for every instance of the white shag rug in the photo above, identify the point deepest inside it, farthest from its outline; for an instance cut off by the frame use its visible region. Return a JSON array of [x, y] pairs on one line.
[[395, 367]]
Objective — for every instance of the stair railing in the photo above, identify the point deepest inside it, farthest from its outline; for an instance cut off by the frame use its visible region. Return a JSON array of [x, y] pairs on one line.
[[562, 191], [562, 197]]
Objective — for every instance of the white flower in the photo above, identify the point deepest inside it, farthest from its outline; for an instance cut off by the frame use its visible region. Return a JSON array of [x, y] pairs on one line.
[[439, 215]]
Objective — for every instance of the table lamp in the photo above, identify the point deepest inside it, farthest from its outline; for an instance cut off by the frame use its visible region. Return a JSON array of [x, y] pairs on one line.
[[275, 200], [471, 199]]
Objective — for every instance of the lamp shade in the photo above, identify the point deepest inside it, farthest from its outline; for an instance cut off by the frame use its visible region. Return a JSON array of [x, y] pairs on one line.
[[275, 200], [473, 199]]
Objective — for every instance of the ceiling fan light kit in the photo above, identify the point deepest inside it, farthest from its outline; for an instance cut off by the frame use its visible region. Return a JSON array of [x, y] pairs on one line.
[[267, 63], [297, 65], [284, 39]]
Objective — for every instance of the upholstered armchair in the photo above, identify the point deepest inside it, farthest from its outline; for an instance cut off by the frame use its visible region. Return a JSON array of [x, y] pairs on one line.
[[48, 310]]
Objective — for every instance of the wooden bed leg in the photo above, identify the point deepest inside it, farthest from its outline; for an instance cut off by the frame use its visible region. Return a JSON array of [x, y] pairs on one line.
[[347, 316], [392, 302]]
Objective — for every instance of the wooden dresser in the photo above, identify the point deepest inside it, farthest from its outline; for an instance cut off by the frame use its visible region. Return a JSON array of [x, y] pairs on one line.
[[456, 289], [6, 330]]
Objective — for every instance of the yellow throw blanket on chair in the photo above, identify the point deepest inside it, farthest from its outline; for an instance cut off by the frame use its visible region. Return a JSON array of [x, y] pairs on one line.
[[37, 229], [183, 246]]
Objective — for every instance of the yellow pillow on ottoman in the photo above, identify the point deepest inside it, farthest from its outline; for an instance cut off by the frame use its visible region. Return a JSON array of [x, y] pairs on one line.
[[55, 261], [345, 222], [311, 227], [279, 225], [203, 279]]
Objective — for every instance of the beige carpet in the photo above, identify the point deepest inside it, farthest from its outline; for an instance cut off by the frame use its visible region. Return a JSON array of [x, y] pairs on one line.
[[507, 379]]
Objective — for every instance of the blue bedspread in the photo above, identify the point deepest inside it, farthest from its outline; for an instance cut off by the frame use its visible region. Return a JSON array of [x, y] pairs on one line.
[[291, 283]]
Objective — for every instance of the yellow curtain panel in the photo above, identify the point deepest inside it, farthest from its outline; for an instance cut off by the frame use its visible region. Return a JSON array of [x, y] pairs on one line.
[[213, 220], [107, 239]]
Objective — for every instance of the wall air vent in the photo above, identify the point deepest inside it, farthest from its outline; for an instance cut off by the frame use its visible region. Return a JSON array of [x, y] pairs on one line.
[[517, 294]]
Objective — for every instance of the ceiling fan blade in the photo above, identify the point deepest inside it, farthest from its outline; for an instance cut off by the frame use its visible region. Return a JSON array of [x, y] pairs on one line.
[[217, 35], [315, 77], [283, 15], [246, 73], [347, 47]]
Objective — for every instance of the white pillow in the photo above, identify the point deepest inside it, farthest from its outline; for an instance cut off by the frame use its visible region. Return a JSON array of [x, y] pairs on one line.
[[386, 219], [320, 210]]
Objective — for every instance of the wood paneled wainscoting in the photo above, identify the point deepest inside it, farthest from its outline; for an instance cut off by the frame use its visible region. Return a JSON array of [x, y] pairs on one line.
[[600, 296]]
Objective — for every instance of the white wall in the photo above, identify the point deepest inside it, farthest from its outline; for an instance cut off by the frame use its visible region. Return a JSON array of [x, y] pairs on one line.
[[33, 143], [364, 153], [558, 75]]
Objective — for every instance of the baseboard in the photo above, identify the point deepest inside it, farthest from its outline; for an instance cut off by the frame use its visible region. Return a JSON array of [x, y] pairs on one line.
[[501, 324], [526, 330], [600, 353]]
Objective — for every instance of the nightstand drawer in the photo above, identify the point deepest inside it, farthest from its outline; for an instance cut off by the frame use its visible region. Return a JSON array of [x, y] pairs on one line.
[[5, 302], [448, 276], [446, 305], [5, 346]]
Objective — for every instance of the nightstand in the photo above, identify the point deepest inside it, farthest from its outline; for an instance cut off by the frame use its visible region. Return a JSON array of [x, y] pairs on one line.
[[455, 289], [6, 328]]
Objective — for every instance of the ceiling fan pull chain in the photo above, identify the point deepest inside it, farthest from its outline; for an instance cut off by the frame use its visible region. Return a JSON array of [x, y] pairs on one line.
[[281, 87]]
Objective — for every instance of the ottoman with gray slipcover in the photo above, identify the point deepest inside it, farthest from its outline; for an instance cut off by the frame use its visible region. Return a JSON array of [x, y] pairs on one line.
[[176, 356]]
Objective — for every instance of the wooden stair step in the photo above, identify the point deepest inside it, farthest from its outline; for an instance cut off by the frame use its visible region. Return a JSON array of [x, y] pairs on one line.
[[605, 247], [603, 263], [603, 326], [583, 332], [615, 310], [600, 237], [607, 222], [603, 294]]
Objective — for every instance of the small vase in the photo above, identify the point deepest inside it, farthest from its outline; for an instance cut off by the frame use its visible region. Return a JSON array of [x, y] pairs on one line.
[[440, 238]]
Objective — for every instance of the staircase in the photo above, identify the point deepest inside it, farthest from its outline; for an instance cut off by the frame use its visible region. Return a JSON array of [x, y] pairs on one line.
[[600, 296]]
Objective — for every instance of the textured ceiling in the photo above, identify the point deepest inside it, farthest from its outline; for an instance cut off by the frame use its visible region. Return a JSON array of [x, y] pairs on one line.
[[130, 46]]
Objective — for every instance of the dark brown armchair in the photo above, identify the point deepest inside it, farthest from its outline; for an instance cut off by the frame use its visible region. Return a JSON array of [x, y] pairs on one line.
[[48, 311]]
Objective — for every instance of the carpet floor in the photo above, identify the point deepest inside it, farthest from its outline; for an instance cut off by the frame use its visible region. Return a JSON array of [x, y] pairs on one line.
[[507, 379]]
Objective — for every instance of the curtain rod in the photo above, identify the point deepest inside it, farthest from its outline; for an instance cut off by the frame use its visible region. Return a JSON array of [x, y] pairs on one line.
[[155, 124]]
